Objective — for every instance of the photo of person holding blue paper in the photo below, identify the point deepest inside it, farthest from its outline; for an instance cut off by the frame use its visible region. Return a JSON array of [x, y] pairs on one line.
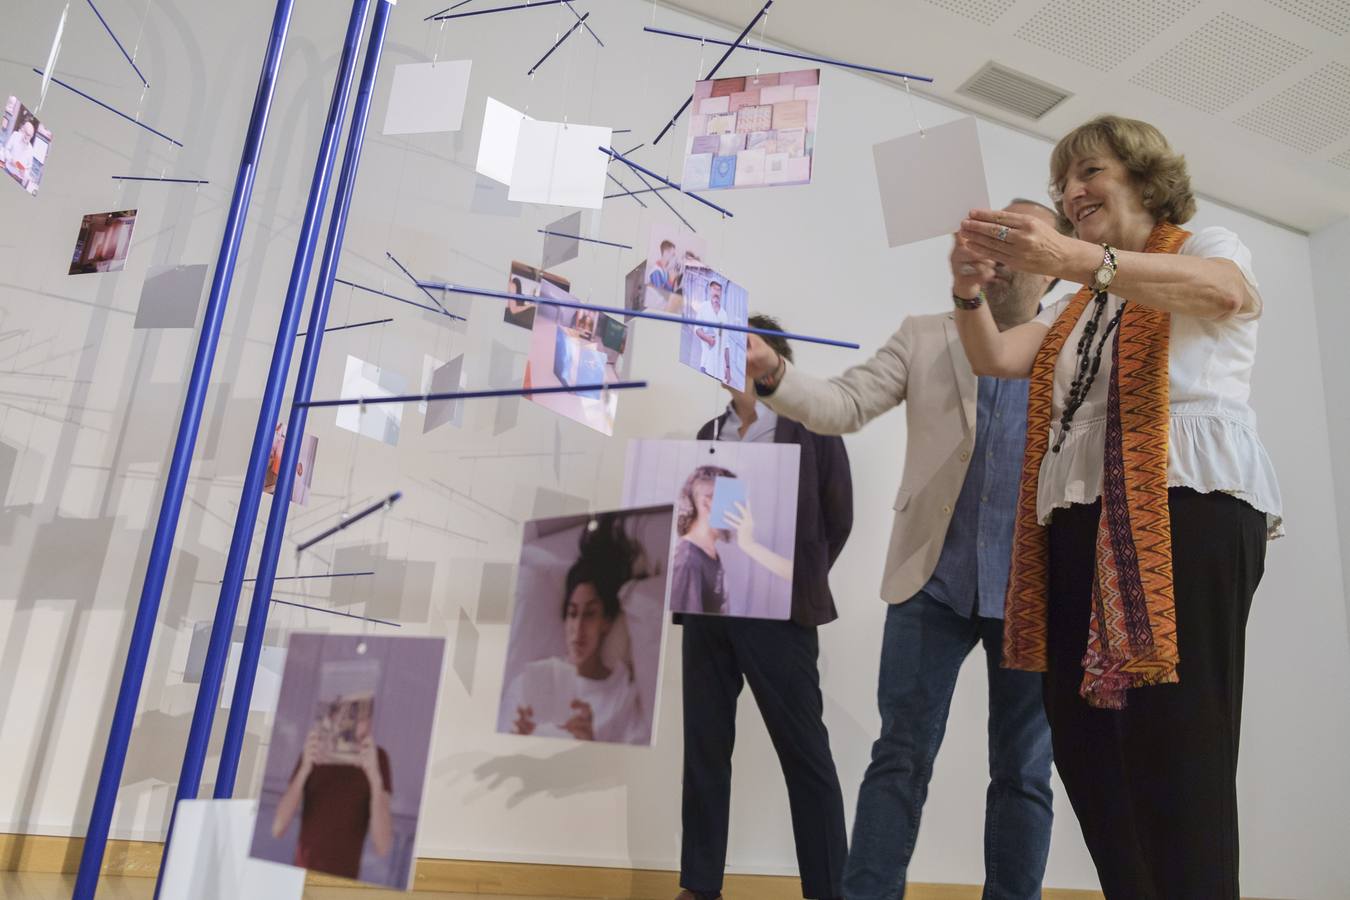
[[712, 509]]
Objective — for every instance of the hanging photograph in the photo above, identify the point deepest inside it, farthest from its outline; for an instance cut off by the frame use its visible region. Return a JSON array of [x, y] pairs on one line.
[[657, 285], [347, 759], [304, 465], [583, 661], [733, 544], [23, 145], [103, 243], [715, 300], [525, 279], [752, 131], [381, 421], [568, 348]]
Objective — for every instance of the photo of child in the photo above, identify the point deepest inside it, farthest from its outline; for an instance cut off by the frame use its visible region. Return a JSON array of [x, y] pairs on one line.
[[23, 145], [658, 284], [566, 351], [347, 762], [583, 661], [732, 548]]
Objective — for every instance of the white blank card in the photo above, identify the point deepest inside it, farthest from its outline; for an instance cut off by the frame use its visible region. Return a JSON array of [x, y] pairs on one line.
[[560, 164], [930, 180], [428, 97], [497, 147]]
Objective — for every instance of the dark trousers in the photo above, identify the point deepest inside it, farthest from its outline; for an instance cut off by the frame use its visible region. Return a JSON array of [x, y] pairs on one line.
[[1154, 785], [922, 650], [779, 661]]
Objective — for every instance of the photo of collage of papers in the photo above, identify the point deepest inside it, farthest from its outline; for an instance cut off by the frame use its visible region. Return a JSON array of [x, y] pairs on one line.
[[752, 131]]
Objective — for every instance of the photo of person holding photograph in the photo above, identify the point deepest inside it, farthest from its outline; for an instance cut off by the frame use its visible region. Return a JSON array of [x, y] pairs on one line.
[[340, 799], [697, 578]]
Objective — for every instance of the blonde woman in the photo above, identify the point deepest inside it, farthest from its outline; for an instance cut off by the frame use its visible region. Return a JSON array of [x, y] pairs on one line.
[[1146, 499]]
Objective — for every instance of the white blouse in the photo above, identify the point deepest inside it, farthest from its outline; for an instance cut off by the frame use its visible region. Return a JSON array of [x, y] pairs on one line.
[[1213, 444]]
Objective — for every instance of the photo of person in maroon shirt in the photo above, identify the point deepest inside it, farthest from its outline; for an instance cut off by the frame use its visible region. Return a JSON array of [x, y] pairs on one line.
[[342, 800]]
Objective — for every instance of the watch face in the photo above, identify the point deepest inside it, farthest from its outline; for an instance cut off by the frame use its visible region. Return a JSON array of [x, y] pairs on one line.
[[1104, 275]]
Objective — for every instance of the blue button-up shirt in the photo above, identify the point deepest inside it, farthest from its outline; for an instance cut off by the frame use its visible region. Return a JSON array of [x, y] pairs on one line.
[[972, 573]]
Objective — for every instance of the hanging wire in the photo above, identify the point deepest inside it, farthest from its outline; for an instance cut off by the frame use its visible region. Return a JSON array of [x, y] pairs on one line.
[[763, 27], [914, 109], [50, 68]]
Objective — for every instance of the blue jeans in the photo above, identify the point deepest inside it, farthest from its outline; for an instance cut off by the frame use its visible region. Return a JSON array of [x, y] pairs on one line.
[[924, 645]]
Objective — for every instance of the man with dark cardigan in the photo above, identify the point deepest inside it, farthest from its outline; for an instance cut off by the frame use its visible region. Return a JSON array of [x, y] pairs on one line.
[[779, 660]]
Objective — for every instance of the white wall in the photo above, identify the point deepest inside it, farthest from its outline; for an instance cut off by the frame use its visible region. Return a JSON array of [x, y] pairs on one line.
[[1330, 248], [91, 406]]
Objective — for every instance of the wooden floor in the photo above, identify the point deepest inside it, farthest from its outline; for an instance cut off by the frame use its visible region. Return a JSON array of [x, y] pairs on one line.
[[40, 886]]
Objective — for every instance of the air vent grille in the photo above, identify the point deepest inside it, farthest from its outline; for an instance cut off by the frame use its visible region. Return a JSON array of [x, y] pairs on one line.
[[1010, 90]]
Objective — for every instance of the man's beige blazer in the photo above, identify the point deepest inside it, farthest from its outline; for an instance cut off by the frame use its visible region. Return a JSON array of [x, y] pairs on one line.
[[923, 366]]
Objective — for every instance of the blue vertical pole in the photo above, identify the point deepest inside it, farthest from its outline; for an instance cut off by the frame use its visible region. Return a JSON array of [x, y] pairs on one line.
[[208, 694], [138, 652], [304, 386]]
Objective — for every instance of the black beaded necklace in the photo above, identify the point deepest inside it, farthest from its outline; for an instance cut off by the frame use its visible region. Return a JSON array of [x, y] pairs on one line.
[[1089, 361]]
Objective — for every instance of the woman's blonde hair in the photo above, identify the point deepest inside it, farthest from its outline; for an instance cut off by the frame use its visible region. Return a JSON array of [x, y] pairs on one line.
[[1160, 172]]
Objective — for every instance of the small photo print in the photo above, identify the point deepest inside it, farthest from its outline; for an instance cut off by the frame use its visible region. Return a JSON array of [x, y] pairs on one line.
[[715, 300], [524, 280], [103, 243], [658, 284], [583, 662], [347, 760], [733, 546], [24, 143], [752, 131], [304, 465], [568, 349]]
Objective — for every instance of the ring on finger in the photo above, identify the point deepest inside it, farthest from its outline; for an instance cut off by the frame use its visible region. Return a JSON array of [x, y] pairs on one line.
[[967, 269], [1002, 233]]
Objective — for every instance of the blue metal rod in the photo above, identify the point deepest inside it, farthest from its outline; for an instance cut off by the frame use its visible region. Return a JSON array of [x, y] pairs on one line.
[[636, 167], [304, 385], [731, 48], [577, 237], [497, 9], [477, 395], [573, 11], [559, 42], [327, 575], [626, 191], [301, 334], [108, 28], [634, 194], [348, 522], [806, 56], [250, 497], [334, 612], [447, 9], [157, 566], [165, 180], [413, 278], [97, 102], [666, 203], [636, 313], [371, 290]]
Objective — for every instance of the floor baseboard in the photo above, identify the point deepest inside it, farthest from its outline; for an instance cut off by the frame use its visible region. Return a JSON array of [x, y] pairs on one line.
[[61, 855]]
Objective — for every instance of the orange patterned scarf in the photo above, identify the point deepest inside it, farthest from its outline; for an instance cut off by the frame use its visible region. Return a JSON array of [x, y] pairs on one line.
[[1132, 636]]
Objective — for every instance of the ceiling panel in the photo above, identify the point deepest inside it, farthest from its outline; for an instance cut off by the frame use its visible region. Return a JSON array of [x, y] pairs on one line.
[[1219, 63], [1256, 93]]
